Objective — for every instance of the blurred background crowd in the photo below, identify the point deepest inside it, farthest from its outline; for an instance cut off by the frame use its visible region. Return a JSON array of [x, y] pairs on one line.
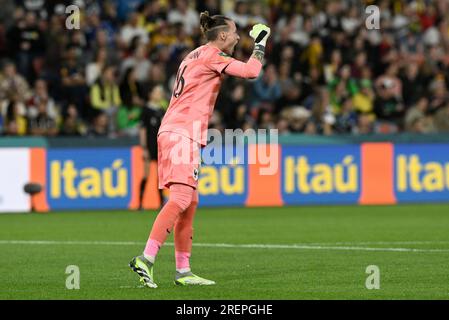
[[325, 72]]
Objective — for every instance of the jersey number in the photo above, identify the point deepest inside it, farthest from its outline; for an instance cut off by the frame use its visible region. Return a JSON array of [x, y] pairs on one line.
[[179, 83]]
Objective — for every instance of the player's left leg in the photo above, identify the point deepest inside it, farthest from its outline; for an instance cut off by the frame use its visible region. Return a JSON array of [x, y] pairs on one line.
[[183, 234]]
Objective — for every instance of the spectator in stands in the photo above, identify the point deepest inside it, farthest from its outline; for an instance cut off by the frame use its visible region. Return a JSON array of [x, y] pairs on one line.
[[131, 91], [187, 16], [212, 6], [56, 41], [257, 14], [283, 127], [442, 119], [228, 105], [15, 120], [12, 83], [102, 28], [239, 14], [132, 30], [365, 124], [78, 44], [128, 120], [391, 77], [105, 97], [346, 120], [139, 62], [128, 114], [265, 120], [157, 98], [183, 40], [100, 126], [331, 69], [294, 28], [358, 65], [7, 14], [94, 68], [313, 54], [351, 20], [74, 87], [388, 108], [288, 48], [439, 95], [152, 16], [157, 76], [290, 97], [297, 118], [310, 83], [287, 66], [216, 121], [42, 124], [322, 119], [41, 96], [412, 84], [241, 118], [266, 89], [102, 41], [125, 7], [417, 118], [364, 98], [72, 125], [30, 44], [341, 88]]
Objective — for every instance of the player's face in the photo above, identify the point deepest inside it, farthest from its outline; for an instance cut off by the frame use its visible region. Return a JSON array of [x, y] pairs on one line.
[[232, 38]]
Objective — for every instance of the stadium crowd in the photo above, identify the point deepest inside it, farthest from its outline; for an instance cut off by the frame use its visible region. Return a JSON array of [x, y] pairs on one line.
[[325, 73]]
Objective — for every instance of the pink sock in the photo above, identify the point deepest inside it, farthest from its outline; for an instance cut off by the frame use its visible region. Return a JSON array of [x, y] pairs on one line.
[[182, 260], [152, 248]]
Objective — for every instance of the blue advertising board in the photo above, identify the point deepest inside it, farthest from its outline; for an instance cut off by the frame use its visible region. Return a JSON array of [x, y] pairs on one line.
[[223, 176], [421, 172], [320, 174], [89, 178]]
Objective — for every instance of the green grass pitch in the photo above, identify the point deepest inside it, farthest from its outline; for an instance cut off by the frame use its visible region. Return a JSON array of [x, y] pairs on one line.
[[310, 253]]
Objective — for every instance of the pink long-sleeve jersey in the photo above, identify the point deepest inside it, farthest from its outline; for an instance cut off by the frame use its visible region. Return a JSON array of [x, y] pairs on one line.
[[196, 89]]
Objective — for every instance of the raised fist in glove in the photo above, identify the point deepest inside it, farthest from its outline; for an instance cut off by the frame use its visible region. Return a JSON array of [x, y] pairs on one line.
[[260, 34]]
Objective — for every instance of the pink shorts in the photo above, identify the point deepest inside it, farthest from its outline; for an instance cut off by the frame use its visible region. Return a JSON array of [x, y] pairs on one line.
[[178, 160]]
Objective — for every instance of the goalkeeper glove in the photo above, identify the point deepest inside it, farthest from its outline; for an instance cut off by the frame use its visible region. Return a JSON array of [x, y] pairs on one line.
[[260, 34]]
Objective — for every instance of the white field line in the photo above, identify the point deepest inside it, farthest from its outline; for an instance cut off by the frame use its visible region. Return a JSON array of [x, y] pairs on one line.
[[329, 246], [379, 242]]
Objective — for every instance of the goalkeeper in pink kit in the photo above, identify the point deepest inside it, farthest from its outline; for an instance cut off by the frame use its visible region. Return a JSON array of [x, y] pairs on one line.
[[184, 131]]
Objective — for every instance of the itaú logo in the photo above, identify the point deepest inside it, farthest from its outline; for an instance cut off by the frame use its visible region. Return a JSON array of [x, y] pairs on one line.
[[88, 182], [305, 177], [226, 179], [415, 174]]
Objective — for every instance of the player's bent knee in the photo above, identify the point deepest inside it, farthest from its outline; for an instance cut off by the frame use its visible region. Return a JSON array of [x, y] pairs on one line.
[[181, 195]]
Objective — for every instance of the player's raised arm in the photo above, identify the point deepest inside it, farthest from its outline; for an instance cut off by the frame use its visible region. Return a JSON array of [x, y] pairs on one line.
[[221, 32], [252, 67]]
